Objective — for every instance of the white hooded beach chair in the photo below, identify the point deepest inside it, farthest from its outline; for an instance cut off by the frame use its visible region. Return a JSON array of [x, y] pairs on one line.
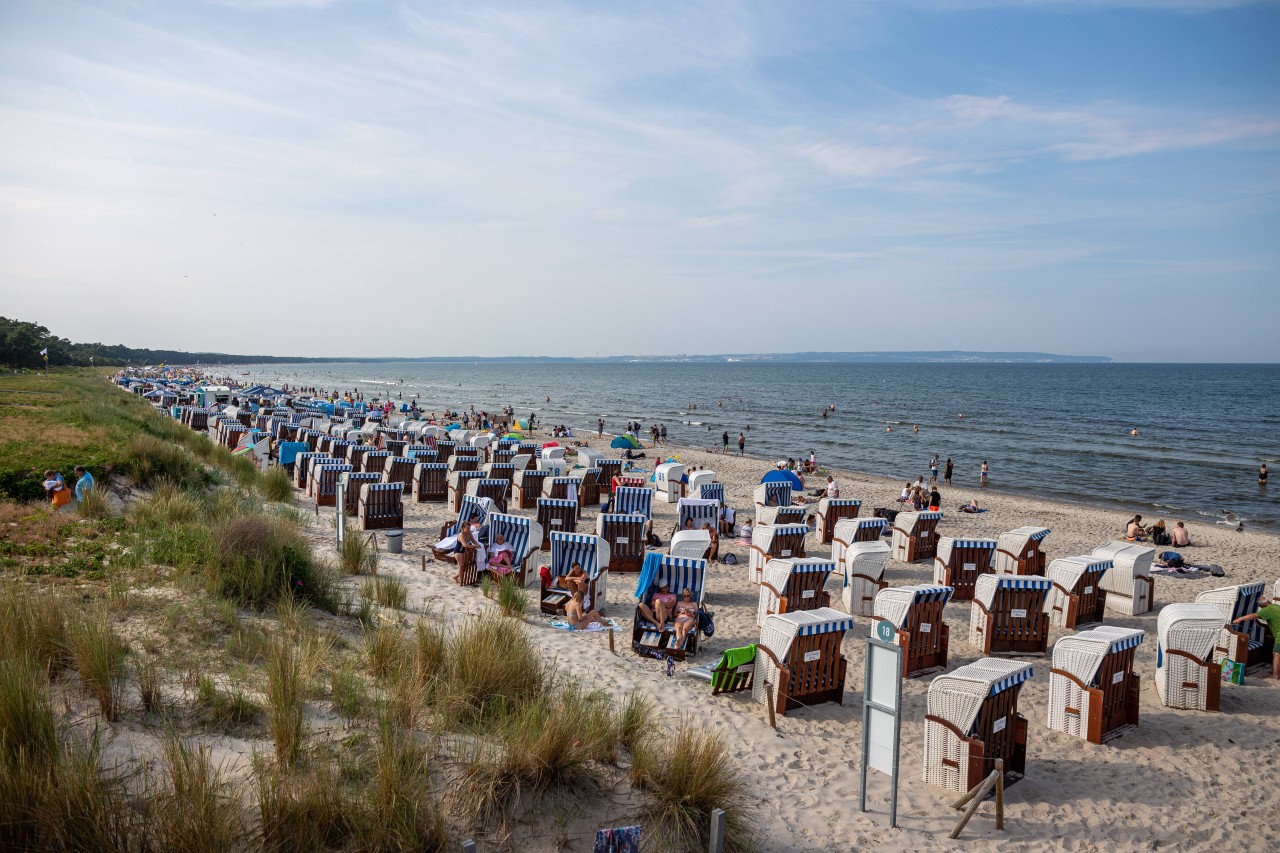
[[698, 511], [380, 506], [851, 530], [1129, 585], [376, 460], [916, 615], [667, 485], [459, 462], [768, 497], [562, 487], [556, 516], [625, 534], [556, 466], [1186, 675], [698, 479], [1246, 643], [862, 564], [792, 585], [588, 458], [351, 482], [1077, 597], [1093, 690], [915, 536], [799, 657], [972, 719], [590, 552], [1008, 616], [959, 563], [1021, 551], [302, 466], [523, 535], [831, 511], [695, 544], [774, 541], [678, 574], [522, 461]]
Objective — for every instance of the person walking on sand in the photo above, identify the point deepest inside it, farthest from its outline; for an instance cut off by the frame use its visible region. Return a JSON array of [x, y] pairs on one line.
[[1271, 615], [982, 477], [946, 473], [933, 469], [742, 443]]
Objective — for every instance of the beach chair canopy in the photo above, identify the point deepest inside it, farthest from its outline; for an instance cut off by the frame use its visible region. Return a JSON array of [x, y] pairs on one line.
[[1067, 571], [711, 492], [690, 543], [780, 631], [778, 572], [1083, 653], [957, 696], [698, 510], [591, 552], [947, 544], [894, 603], [848, 529], [1233, 602], [774, 493], [762, 536], [986, 586], [866, 558], [1128, 557], [1191, 628]]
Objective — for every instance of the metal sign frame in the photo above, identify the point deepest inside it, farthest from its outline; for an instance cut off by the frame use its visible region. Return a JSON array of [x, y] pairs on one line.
[[342, 510], [869, 707]]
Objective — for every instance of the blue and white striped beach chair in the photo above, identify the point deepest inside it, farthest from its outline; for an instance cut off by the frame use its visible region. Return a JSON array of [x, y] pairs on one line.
[[524, 535], [799, 657], [712, 492], [796, 584], [959, 562], [679, 574], [562, 487], [916, 615], [556, 516], [773, 541], [972, 720], [633, 500], [592, 554], [1249, 642], [698, 512], [493, 488], [625, 534]]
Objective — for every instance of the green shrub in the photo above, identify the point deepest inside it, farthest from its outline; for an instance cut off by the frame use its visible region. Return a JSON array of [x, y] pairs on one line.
[[276, 485], [149, 459], [259, 556], [512, 599]]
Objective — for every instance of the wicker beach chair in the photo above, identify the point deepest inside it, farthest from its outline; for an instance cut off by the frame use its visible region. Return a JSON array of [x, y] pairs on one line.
[[524, 535], [493, 488], [430, 482], [959, 563], [799, 657], [774, 541], [1186, 675], [1093, 690], [355, 455], [1129, 585], [502, 471], [625, 534], [421, 452], [556, 516], [916, 615], [634, 500], [376, 460], [831, 511], [503, 455], [851, 530], [1008, 615], [459, 482], [587, 457], [1021, 551], [698, 479], [324, 481], [302, 464], [695, 544], [589, 494], [562, 487], [1077, 597], [380, 506], [792, 585], [698, 511], [527, 485], [352, 481], [609, 468], [458, 462], [1248, 643], [862, 565], [399, 469], [679, 573], [592, 553], [523, 462], [769, 498], [972, 719], [710, 491], [915, 536], [444, 450]]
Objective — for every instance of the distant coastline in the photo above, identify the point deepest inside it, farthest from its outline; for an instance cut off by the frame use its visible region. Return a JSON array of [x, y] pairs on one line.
[[940, 357]]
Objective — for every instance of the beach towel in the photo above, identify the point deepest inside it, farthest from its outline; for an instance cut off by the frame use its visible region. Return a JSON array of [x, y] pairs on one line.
[[648, 571], [730, 659], [623, 839], [593, 627]]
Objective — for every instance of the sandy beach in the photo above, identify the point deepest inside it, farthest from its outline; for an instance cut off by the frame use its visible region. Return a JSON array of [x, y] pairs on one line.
[[1183, 778]]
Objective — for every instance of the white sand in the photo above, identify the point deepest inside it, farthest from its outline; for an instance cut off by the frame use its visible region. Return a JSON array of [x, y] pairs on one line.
[[1184, 779]]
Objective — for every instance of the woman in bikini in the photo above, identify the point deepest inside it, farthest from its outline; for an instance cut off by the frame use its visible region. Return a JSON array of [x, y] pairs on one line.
[[686, 617]]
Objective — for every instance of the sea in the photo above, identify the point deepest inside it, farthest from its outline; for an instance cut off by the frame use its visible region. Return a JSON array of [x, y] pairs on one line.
[[1052, 430]]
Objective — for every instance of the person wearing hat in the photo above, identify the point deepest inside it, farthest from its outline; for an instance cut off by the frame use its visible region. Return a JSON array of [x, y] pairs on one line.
[[663, 606]]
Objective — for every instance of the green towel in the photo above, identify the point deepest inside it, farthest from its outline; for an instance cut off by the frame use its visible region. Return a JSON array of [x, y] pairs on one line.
[[730, 659]]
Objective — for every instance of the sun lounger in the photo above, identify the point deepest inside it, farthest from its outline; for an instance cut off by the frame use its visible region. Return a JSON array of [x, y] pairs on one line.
[[959, 563], [1129, 585], [590, 552], [774, 541], [831, 511], [1021, 551], [679, 573], [972, 720], [799, 657], [695, 544], [1077, 597], [380, 506], [915, 536], [527, 484], [556, 516], [862, 565], [625, 534], [791, 585], [430, 483], [1186, 674], [324, 479], [1008, 615], [916, 615], [1093, 690], [1249, 642]]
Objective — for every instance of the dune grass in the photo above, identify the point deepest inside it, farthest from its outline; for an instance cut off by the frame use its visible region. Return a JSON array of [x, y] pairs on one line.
[[512, 599], [191, 811], [387, 591], [358, 555], [98, 655], [93, 503], [284, 701], [307, 811], [276, 485]]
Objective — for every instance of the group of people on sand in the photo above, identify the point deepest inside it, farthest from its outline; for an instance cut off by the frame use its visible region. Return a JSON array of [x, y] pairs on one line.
[[59, 494], [663, 607], [1158, 533]]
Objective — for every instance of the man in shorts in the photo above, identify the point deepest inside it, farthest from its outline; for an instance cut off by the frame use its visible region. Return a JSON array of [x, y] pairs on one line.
[[1271, 615]]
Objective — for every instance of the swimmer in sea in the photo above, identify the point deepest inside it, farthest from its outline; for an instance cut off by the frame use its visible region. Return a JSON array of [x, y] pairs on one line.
[[888, 429], [1133, 431], [915, 428]]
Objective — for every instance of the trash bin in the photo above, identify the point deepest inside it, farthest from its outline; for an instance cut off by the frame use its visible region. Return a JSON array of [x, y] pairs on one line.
[[395, 540]]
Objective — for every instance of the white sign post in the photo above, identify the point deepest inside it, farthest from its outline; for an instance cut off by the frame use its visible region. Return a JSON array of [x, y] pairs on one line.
[[342, 508], [882, 712]]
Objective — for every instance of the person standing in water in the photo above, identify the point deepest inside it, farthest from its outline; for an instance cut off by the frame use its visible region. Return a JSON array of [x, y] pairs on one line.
[[946, 473], [742, 443], [725, 438], [982, 478], [1262, 474]]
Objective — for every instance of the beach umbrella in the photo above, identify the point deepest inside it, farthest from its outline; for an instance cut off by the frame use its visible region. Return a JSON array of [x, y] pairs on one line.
[[521, 423], [625, 441], [781, 475], [517, 436]]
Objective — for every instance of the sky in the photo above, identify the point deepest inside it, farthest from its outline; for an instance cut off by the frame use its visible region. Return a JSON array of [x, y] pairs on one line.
[[354, 177]]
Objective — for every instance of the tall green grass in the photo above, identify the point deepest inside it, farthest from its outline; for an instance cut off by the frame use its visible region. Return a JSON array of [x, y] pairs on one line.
[[192, 811], [284, 701], [99, 658], [358, 555], [276, 485]]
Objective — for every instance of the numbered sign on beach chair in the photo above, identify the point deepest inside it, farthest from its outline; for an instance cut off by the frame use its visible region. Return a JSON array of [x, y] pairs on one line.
[[915, 536], [625, 535], [459, 482], [1093, 690], [700, 512], [679, 574], [791, 585], [1008, 615], [562, 488], [590, 552], [1077, 597], [832, 511], [495, 489], [959, 563], [851, 530], [634, 500], [556, 516], [325, 481], [302, 467], [523, 535], [430, 483], [1248, 643], [399, 469], [352, 481], [695, 544], [916, 615], [799, 658], [1186, 674], [972, 719], [1129, 585], [527, 486], [1021, 551], [862, 566], [773, 541], [380, 506]]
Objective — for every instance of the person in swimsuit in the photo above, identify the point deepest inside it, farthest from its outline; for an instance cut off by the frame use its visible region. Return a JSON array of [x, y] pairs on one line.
[[946, 473], [982, 477], [664, 602], [576, 580], [1262, 474], [686, 617], [714, 553]]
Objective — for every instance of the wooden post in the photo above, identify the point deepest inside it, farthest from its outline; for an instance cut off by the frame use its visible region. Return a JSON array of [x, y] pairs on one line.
[[424, 562], [1000, 793], [717, 832], [611, 641], [982, 790], [768, 695]]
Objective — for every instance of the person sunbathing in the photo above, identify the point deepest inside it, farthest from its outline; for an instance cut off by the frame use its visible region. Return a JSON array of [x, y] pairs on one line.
[[1134, 531], [686, 617], [971, 507], [576, 615], [469, 550], [663, 604], [501, 556], [576, 580]]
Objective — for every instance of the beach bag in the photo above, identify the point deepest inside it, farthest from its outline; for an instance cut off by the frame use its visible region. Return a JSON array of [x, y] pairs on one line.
[[1233, 672], [706, 623], [729, 559]]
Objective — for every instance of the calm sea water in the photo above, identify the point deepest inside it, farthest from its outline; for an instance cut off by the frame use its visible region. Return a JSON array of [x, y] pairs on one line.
[[1054, 430]]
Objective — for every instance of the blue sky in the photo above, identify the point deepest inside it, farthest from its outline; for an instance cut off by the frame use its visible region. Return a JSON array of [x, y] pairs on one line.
[[570, 178]]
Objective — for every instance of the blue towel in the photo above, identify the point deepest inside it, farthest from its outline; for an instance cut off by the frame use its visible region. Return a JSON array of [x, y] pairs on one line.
[[648, 571]]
